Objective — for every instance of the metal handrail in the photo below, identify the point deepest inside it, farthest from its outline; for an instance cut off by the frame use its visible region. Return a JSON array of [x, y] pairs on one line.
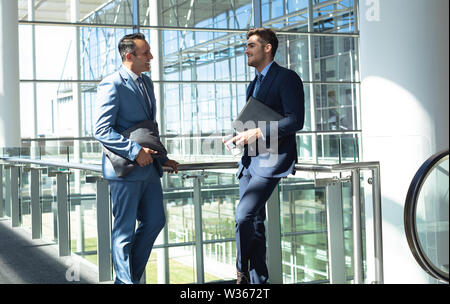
[[355, 169], [321, 168]]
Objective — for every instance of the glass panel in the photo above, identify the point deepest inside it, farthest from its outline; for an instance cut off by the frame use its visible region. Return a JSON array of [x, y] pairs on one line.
[[347, 204], [55, 109], [335, 107], [297, 54], [49, 207], [205, 14], [99, 54], [92, 11], [334, 58], [303, 228], [219, 261], [154, 271], [90, 152], [178, 198], [337, 148], [56, 150], [83, 216], [302, 206], [212, 110], [7, 189], [305, 148], [335, 16], [305, 258], [109, 12], [182, 265], [220, 194], [24, 198], [204, 56], [285, 14], [60, 54]]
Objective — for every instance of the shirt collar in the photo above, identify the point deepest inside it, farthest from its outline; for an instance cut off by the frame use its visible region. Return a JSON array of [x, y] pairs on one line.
[[131, 73], [265, 70]]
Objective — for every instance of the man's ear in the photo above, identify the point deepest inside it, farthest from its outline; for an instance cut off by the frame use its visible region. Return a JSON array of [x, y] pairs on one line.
[[268, 48], [128, 56]]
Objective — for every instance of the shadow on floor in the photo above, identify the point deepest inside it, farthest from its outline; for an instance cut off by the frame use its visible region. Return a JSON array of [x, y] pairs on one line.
[[27, 261]]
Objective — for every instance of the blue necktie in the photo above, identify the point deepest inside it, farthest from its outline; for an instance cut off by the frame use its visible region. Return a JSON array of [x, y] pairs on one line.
[[259, 79], [144, 93]]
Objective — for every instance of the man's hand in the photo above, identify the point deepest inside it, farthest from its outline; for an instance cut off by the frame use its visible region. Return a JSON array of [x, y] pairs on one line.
[[172, 164], [144, 157], [247, 137]]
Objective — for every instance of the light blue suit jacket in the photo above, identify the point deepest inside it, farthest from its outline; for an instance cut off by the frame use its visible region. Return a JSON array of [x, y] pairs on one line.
[[119, 106]]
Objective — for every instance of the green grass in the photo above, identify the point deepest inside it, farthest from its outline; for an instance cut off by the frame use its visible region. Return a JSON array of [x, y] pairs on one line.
[[179, 273]]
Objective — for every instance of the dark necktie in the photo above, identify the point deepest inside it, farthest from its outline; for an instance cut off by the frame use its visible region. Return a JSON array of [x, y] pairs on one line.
[[259, 79], [144, 92]]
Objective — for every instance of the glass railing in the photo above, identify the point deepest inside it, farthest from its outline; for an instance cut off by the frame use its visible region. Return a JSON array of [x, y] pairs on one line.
[[315, 228], [426, 216]]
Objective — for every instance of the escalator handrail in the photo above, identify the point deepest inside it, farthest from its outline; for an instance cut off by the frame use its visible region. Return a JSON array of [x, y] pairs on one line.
[[410, 216]]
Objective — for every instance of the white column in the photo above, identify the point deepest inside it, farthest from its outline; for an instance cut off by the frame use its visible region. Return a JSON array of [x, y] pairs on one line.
[[404, 108], [9, 75]]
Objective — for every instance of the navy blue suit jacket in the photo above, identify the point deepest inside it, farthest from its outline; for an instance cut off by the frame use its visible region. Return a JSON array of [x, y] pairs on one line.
[[120, 106], [282, 90]]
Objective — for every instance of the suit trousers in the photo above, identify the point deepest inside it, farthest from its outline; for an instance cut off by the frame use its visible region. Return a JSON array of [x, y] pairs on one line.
[[250, 215], [140, 201]]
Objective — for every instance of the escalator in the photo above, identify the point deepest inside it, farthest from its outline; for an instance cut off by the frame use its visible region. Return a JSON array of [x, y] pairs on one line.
[[426, 216]]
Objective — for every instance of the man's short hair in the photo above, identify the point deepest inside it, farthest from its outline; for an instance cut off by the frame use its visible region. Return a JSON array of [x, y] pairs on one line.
[[265, 35], [127, 45]]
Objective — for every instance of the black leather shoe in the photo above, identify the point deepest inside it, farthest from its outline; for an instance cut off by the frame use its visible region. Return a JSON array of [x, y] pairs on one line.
[[242, 278]]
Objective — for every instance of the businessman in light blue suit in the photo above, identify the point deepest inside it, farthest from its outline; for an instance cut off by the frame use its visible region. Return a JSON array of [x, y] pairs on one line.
[[259, 173], [125, 99]]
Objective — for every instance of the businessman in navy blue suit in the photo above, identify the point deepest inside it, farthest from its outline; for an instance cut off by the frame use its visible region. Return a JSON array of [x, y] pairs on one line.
[[260, 170], [124, 99]]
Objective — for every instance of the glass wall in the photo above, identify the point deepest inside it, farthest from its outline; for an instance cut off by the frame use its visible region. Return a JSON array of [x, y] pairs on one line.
[[201, 75]]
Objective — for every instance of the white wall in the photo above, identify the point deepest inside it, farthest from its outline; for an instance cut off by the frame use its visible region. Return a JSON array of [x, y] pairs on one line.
[[404, 108]]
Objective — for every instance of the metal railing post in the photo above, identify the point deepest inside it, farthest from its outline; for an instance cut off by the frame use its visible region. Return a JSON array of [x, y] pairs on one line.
[[7, 203], [36, 216], [357, 233], [103, 231], [377, 225], [274, 256], [15, 206], [335, 233], [62, 214], [198, 230], [2, 201]]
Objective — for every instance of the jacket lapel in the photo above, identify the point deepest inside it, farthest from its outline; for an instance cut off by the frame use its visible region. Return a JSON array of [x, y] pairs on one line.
[[149, 86], [250, 88], [132, 86], [267, 82]]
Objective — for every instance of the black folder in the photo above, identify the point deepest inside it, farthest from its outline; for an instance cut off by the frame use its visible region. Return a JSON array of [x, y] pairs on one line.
[[255, 111], [145, 134]]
